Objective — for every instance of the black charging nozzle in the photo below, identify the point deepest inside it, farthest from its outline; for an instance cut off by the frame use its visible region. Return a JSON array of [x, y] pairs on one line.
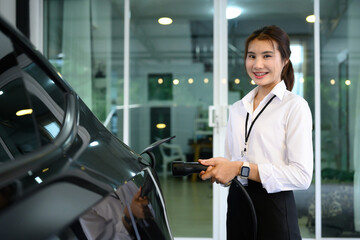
[[180, 169]]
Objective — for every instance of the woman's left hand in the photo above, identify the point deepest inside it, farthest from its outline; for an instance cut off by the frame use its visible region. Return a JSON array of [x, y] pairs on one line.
[[220, 170]]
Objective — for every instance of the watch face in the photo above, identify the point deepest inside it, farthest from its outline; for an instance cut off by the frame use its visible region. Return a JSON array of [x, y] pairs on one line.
[[245, 171]]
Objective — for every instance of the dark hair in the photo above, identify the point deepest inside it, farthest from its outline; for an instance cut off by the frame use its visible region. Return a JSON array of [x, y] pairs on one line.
[[274, 33]]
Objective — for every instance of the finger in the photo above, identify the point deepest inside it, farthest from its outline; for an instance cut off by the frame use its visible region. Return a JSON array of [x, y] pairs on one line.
[[208, 173], [138, 193], [205, 176], [207, 162], [144, 202]]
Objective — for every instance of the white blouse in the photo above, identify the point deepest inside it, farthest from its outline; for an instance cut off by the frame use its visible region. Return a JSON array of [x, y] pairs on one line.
[[280, 142]]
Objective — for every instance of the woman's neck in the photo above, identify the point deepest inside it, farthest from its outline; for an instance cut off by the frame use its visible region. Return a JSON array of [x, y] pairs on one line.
[[261, 94]]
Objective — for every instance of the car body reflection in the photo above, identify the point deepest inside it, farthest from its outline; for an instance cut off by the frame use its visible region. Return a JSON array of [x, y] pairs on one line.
[[127, 213], [63, 175]]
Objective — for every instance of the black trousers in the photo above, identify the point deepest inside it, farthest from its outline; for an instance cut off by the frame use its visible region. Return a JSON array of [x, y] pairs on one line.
[[276, 214]]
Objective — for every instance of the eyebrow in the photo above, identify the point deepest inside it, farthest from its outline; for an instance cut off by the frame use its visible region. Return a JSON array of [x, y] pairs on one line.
[[266, 52]]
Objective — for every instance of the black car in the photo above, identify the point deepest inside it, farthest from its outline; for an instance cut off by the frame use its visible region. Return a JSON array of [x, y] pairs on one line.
[[63, 175]]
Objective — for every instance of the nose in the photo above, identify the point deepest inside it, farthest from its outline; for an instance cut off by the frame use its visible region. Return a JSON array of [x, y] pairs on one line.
[[258, 64]]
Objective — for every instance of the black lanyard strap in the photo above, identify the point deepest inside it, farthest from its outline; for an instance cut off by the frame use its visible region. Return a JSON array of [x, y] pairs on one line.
[[247, 134]]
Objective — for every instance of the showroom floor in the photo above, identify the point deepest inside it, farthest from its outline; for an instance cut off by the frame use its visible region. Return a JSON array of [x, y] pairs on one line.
[[189, 207]]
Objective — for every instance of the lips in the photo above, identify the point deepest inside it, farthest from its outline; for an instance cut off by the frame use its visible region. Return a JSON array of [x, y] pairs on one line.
[[259, 75]]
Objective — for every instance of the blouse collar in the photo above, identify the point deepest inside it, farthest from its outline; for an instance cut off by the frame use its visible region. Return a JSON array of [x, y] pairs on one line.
[[279, 90]]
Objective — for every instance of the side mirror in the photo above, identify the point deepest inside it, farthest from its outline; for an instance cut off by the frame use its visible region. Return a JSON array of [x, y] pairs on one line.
[[148, 150]]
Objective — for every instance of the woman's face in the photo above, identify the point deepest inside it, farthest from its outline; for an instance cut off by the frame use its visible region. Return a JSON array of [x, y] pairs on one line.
[[264, 63]]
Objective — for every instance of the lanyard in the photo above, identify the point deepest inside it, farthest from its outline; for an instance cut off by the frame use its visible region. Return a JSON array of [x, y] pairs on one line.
[[247, 134]]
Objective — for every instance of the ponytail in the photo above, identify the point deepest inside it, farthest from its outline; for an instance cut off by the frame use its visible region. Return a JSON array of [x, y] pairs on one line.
[[287, 75]]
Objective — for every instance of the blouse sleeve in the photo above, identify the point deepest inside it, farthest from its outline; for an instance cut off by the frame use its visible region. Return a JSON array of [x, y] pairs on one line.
[[296, 173]]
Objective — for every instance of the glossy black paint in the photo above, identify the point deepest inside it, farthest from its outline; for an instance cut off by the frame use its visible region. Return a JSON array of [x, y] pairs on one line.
[[69, 177]]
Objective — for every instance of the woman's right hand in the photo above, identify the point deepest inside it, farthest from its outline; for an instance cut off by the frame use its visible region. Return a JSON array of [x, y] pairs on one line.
[[220, 170]]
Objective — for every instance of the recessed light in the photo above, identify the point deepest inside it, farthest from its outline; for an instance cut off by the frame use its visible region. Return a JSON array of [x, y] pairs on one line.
[[165, 21], [232, 12], [161, 125], [311, 18]]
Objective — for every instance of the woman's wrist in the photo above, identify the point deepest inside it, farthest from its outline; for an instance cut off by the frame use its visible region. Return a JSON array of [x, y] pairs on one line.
[[237, 167]]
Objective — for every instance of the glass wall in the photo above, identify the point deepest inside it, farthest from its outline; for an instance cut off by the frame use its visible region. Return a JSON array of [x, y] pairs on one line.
[[170, 91], [340, 114], [84, 41], [171, 87], [301, 34]]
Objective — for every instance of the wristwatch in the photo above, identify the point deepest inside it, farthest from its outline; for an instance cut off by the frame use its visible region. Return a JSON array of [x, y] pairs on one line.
[[245, 170]]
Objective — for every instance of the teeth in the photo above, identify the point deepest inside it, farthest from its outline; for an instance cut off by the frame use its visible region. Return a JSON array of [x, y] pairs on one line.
[[260, 74]]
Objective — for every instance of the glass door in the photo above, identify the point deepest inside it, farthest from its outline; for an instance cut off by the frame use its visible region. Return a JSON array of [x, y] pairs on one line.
[[171, 87], [252, 16]]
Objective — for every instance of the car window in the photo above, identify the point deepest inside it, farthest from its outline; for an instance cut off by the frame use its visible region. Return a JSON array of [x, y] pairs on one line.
[[32, 104]]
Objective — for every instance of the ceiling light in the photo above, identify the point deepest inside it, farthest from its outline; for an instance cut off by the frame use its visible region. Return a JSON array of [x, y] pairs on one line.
[[165, 21], [232, 12], [191, 81], [206, 80], [24, 112], [332, 81], [1, 92], [160, 81], [311, 18], [161, 125], [237, 81], [176, 81], [347, 82]]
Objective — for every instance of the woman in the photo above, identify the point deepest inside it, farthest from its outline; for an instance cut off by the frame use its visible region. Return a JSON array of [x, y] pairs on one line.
[[268, 144]]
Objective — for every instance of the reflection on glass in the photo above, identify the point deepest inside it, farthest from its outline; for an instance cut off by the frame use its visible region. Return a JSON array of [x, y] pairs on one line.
[[32, 108], [340, 118], [17, 134], [53, 129], [23, 112], [171, 87], [84, 41]]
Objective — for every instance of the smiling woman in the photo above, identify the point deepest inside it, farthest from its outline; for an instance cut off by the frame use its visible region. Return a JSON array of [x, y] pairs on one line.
[[264, 65], [268, 147]]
